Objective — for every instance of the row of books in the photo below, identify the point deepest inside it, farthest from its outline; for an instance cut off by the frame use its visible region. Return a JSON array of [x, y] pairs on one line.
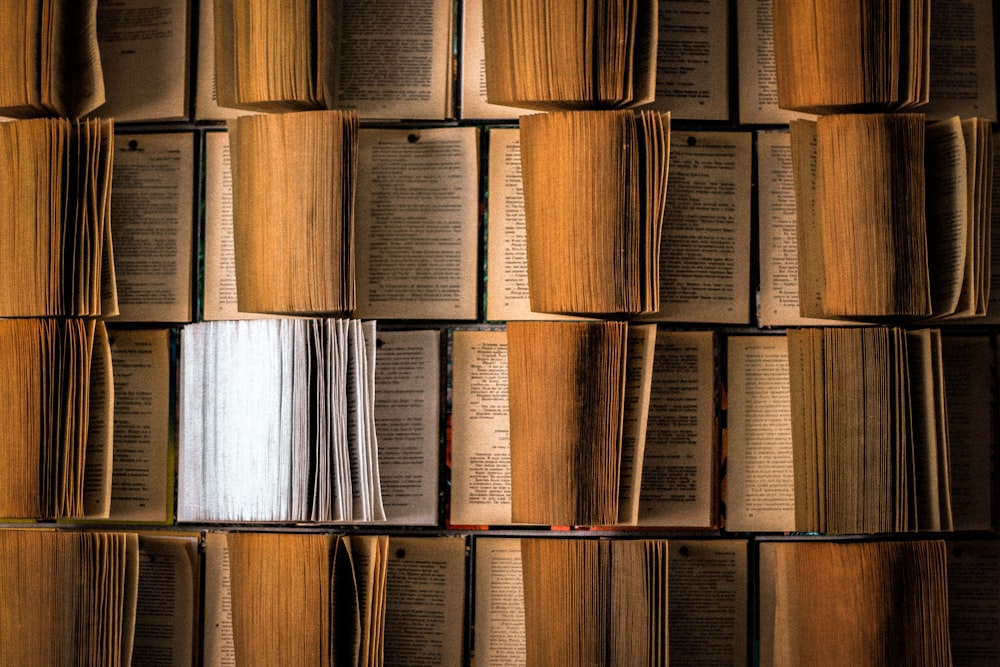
[[152, 73], [324, 598], [336, 421], [418, 239]]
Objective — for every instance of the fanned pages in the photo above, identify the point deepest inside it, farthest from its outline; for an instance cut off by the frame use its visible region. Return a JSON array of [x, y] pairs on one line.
[[852, 55], [567, 54], [867, 603], [70, 597], [594, 194], [892, 216], [47, 416], [307, 599], [595, 602], [55, 175], [869, 430], [294, 179], [50, 64], [276, 422], [566, 385]]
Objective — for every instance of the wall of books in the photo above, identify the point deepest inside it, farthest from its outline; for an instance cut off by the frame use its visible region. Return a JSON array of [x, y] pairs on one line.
[[557, 332]]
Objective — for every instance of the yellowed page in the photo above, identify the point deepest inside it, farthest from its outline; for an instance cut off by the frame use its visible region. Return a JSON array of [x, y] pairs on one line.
[[169, 599], [760, 479], [678, 485], [142, 484], [152, 213], [480, 429], [425, 601], [715, 571], [962, 60], [395, 58], [218, 649], [499, 595], [408, 415], [705, 246], [416, 223], [144, 53], [692, 64]]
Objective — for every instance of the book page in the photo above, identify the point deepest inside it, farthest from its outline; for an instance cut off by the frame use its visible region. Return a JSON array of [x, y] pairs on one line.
[[705, 243], [639, 359], [758, 79], [962, 60], [480, 429], [395, 58], [760, 479], [144, 54], [678, 469], [974, 601], [152, 214], [425, 601], [169, 599], [778, 303], [499, 595], [219, 649], [98, 476], [709, 598], [416, 223], [705, 246], [692, 69], [142, 483], [408, 419], [969, 365]]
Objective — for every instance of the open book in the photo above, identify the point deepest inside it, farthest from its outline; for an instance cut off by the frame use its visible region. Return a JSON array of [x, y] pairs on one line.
[[74, 594], [848, 430], [55, 175], [666, 476], [893, 215], [705, 616], [276, 422], [854, 603], [705, 237], [383, 60], [842, 56], [570, 55], [415, 221], [593, 210], [962, 63], [296, 598], [50, 64], [57, 400]]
